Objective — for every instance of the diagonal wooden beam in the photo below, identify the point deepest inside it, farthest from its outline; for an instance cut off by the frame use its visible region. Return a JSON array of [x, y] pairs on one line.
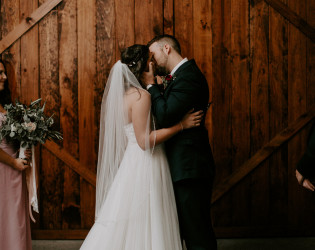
[[27, 23], [71, 162], [293, 18], [262, 154]]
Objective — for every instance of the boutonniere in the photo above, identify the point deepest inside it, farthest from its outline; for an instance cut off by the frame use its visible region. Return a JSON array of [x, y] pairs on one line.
[[166, 80]]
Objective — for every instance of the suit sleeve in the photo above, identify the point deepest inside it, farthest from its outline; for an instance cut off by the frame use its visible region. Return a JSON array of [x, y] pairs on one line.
[[180, 100], [306, 166]]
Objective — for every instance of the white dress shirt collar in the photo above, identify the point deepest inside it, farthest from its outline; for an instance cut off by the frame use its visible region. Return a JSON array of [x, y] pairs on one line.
[[178, 65]]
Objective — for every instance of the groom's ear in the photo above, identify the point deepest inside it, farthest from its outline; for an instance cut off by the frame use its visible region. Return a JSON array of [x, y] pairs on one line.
[[167, 49]]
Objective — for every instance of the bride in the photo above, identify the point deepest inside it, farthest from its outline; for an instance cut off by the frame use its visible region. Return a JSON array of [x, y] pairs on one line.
[[135, 206]]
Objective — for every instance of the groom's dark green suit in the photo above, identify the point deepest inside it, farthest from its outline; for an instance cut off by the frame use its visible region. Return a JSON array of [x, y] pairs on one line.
[[189, 153]]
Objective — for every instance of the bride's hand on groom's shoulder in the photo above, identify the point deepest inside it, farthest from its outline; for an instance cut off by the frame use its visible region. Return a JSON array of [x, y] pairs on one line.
[[159, 80], [192, 119], [304, 182], [147, 77]]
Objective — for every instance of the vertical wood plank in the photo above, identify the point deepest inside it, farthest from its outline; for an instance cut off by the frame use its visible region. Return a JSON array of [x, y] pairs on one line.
[[148, 20], [202, 50], [51, 170], [29, 70], [278, 82], [10, 16], [297, 104], [221, 71], [240, 106], [168, 17], [105, 42], [105, 53], [86, 81], [259, 35], [310, 55], [29, 55], [51, 184], [125, 24], [68, 79], [183, 30]]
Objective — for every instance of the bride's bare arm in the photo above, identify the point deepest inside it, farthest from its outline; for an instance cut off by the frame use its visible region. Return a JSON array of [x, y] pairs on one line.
[[140, 114]]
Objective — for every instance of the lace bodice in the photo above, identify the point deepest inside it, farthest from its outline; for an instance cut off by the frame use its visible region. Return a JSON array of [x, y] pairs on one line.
[[130, 133]]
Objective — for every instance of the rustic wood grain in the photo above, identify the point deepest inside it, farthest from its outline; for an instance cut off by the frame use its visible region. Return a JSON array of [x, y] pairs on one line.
[[168, 17], [86, 21], [125, 25], [148, 20], [51, 184], [240, 106], [59, 234], [51, 168], [202, 50], [261, 155], [183, 30], [260, 71], [278, 82], [259, 85], [29, 65], [296, 105], [28, 21], [298, 21], [10, 16], [68, 80], [105, 55], [71, 162], [221, 70], [310, 55]]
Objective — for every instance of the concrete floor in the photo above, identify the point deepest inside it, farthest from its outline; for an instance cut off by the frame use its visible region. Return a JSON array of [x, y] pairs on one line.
[[223, 244]]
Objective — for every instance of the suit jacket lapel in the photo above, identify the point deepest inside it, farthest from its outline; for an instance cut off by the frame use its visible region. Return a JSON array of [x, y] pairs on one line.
[[177, 72]]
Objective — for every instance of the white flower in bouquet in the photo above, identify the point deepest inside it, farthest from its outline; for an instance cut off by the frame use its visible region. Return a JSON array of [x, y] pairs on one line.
[[28, 124], [13, 128], [31, 126]]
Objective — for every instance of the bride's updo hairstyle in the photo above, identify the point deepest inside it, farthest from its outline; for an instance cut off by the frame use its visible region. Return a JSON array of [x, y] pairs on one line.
[[136, 57]]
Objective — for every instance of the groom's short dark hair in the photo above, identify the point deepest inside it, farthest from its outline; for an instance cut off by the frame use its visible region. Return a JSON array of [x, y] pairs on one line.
[[171, 40]]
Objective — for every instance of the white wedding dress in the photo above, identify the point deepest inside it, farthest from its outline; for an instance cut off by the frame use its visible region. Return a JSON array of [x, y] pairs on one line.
[[139, 212]]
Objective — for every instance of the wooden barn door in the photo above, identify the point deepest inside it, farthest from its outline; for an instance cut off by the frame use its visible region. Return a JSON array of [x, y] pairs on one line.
[[263, 104], [258, 58]]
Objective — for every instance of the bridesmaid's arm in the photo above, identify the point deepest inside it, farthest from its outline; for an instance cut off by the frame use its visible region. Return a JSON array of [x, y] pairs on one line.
[[18, 164]]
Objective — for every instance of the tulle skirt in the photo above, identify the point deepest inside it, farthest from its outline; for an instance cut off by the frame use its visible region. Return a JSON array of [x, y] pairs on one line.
[[139, 212]]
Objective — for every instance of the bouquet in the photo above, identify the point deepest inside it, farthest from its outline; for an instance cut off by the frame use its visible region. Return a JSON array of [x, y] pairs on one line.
[[28, 125]]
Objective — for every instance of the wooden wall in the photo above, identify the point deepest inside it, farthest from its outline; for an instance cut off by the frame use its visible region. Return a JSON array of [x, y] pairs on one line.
[[260, 70], [263, 80]]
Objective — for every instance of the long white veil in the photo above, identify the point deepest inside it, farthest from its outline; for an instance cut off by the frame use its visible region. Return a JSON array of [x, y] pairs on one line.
[[114, 117]]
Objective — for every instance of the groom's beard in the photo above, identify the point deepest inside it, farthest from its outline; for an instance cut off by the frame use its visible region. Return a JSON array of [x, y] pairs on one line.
[[160, 71]]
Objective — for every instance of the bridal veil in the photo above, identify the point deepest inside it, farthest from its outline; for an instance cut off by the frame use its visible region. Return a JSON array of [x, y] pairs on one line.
[[113, 119]]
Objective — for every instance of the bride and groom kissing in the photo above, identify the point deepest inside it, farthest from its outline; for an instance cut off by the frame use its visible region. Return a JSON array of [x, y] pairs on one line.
[[155, 166]]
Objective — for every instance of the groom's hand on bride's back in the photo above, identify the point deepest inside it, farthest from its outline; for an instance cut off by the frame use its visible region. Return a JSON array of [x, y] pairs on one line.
[[147, 77]]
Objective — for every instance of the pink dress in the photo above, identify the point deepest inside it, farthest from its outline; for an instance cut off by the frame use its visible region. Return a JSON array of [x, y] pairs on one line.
[[15, 231]]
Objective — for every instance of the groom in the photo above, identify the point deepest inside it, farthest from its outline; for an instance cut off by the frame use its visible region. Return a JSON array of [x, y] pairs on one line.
[[189, 152]]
